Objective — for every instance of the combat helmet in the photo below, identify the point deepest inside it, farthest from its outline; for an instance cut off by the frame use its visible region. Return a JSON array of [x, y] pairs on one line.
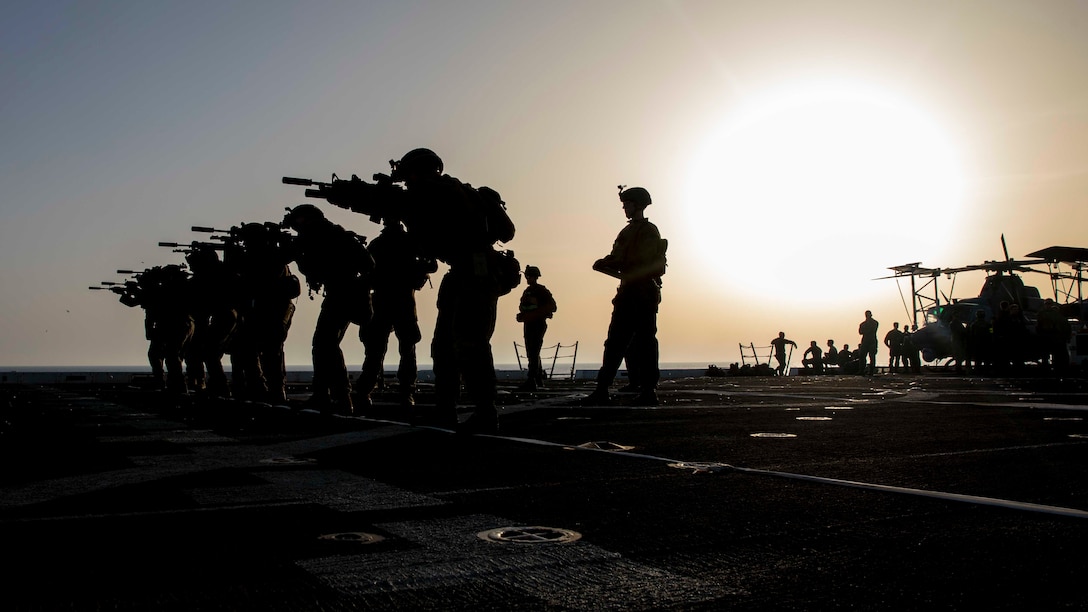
[[301, 213], [201, 257], [532, 271], [422, 161], [635, 195]]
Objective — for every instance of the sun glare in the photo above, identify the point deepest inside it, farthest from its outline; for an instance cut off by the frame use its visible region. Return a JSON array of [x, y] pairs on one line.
[[824, 182]]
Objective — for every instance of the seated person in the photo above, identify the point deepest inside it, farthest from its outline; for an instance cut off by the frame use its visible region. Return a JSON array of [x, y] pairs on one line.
[[813, 358], [831, 355], [845, 356]]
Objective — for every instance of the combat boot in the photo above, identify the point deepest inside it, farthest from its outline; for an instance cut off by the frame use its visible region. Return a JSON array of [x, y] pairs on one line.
[[599, 397], [646, 398]]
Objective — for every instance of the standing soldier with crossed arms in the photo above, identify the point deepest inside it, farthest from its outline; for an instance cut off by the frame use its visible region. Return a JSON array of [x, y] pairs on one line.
[[638, 261], [536, 307]]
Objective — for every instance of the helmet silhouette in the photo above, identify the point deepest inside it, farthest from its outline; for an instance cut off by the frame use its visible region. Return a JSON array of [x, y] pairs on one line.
[[422, 161], [636, 195], [301, 213]]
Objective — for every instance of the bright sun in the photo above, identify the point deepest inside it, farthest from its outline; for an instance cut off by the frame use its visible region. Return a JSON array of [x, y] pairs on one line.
[[830, 182]]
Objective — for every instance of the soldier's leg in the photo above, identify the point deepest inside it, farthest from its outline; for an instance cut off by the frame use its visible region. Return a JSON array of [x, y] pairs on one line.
[[447, 374], [645, 347], [375, 345], [177, 340], [408, 336], [156, 354], [273, 364], [330, 373], [620, 333], [475, 324], [534, 341]]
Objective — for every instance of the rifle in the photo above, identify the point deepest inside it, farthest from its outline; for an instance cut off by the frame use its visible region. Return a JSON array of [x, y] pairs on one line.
[[244, 234], [192, 246], [375, 199], [128, 290]]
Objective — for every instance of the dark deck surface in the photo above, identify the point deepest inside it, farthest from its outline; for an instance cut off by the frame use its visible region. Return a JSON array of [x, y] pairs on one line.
[[895, 492]]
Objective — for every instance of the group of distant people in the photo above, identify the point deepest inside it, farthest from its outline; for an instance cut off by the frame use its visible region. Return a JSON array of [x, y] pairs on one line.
[[1000, 344], [902, 351], [1005, 343], [242, 304]]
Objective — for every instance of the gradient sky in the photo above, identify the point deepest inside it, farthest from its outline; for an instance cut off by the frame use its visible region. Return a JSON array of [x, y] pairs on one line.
[[794, 150]]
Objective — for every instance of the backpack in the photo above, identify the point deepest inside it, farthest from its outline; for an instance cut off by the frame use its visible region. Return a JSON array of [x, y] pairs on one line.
[[504, 270], [498, 225]]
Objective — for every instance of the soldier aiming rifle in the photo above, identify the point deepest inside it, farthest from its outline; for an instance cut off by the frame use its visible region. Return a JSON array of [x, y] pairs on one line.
[[458, 225]]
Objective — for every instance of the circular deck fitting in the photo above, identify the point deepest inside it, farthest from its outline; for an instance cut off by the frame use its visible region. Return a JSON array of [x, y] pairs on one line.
[[697, 467], [289, 460], [606, 446], [772, 435], [352, 537], [529, 535], [813, 418]]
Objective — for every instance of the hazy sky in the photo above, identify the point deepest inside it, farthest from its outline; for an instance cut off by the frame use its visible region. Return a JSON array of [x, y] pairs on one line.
[[794, 150]]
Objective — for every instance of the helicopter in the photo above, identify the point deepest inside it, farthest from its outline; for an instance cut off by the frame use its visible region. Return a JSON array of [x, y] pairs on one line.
[[1003, 283]]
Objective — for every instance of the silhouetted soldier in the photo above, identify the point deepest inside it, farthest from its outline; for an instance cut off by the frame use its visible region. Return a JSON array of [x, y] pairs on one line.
[[1009, 337], [637, 259], [336, 262], [894, 341], [399, 272], [213, 296], [266, 308], [1018, 336], [458, 225], [845, 355], [958, 336], [813, 358], [131, 295], [1053, 330], [779, 345], [831, 355], [978, 342], [536, 307], [168, 326], [911, 354], [867, 329]]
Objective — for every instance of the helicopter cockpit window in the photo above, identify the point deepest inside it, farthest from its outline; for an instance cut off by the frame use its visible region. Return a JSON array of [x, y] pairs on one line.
[[933, 315]]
